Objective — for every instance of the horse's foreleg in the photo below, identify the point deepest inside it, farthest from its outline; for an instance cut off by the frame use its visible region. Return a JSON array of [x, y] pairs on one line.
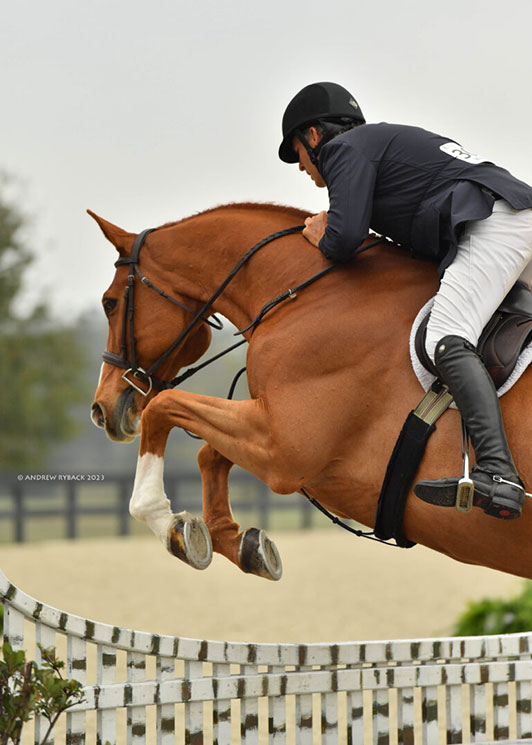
[[183, 535], [251, 550], [186, 537]]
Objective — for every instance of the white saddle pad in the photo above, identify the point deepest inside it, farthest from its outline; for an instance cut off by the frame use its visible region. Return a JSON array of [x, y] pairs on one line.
[[426, 378]]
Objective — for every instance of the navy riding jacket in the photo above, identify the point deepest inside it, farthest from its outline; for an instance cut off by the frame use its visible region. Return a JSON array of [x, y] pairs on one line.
[[411, 185]]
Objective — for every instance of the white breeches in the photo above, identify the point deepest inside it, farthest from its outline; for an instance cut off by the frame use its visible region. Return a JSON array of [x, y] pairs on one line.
[[492, 255]]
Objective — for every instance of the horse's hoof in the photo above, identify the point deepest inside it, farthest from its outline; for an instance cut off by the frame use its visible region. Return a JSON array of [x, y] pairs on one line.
[[258, 555], [189, 540]]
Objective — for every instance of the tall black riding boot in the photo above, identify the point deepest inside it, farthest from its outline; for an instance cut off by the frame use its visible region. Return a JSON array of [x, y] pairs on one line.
[[498, 489]]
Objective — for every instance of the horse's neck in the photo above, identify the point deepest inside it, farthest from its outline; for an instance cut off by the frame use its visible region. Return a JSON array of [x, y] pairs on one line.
[[206, 249]]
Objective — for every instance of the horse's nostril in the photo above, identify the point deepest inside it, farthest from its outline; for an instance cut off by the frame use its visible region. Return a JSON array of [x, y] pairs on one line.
[[97, 415]]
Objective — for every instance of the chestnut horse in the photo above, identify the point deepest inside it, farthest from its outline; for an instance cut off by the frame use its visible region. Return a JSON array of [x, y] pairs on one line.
[[330, 379]]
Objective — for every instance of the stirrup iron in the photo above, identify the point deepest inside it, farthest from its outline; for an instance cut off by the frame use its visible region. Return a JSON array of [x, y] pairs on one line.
[[465, 488]]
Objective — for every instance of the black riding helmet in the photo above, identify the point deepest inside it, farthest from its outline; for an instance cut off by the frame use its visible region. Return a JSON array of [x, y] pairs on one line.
[[318, 102]]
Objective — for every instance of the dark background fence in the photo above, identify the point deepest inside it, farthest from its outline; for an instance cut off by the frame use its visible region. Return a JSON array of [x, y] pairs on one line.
[[55, 505]]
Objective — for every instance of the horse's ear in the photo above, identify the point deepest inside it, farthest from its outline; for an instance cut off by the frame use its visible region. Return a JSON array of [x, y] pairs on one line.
[[121, 239]]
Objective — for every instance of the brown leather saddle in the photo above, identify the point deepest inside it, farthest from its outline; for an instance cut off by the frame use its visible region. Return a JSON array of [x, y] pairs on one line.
[[507, 333]]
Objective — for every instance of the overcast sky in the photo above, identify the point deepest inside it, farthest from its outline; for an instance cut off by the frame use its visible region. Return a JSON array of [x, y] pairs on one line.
[[147, 112]]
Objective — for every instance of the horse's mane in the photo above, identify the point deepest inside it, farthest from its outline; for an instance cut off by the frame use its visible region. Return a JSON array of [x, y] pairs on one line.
[[293, 211]]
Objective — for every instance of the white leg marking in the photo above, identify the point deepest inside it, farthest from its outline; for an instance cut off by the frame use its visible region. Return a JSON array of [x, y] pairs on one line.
[[149, 503]]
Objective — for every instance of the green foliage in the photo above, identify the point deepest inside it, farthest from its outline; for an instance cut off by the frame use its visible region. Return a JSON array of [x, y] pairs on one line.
[[40, 382], [40, 363], [498, 615], [14, 256], [27, 690]]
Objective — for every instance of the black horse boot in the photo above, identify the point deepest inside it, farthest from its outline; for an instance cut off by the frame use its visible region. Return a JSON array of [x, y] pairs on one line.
[[498, 489]]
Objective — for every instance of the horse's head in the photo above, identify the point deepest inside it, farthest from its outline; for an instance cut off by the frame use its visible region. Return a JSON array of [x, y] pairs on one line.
[[143, 328]]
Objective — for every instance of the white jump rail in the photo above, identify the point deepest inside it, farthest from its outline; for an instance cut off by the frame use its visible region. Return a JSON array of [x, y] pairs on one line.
[[194, 692]]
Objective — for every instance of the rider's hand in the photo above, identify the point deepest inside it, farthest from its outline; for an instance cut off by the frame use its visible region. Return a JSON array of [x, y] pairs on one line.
[[315, 228]]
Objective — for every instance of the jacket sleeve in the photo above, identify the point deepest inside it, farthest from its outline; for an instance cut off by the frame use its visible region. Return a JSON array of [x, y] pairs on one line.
[[350, 178]]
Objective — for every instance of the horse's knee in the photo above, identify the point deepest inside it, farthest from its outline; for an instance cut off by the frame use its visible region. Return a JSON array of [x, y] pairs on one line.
[[158, 406], [156, 423]]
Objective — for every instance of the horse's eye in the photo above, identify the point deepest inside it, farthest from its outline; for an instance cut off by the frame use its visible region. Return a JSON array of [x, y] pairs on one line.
[[109, 304]]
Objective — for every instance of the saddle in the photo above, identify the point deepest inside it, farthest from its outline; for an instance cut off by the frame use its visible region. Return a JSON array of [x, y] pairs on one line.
[[505, 336]]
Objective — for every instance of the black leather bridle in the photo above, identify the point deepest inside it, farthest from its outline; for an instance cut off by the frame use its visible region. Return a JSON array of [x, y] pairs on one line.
[[128, 359]]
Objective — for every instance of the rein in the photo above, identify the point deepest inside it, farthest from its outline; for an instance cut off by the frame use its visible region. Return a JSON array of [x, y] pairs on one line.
[[290, 294]]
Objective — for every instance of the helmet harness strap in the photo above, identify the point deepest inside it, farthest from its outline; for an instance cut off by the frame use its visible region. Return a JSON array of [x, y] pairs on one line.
[[312, 151]]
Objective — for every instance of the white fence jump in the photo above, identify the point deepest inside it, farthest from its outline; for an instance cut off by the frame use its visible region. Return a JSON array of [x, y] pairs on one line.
[[149, 688]]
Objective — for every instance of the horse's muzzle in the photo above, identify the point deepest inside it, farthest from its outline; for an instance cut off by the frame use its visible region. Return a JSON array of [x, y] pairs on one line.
[[121, 422]]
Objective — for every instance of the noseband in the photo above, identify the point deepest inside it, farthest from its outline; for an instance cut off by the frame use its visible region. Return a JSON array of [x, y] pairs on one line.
[[134, 374]]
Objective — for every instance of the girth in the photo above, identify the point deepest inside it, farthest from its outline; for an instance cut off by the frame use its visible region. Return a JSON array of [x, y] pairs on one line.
[[505, 336]]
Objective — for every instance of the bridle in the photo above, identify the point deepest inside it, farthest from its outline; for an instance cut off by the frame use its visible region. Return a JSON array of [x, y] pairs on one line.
[[128, 358], [129, 362]]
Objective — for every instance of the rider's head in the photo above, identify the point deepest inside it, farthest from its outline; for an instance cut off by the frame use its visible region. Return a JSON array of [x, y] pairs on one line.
[[314, 116]]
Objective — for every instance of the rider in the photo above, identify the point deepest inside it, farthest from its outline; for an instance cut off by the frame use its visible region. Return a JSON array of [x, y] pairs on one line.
[[442, 202]]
